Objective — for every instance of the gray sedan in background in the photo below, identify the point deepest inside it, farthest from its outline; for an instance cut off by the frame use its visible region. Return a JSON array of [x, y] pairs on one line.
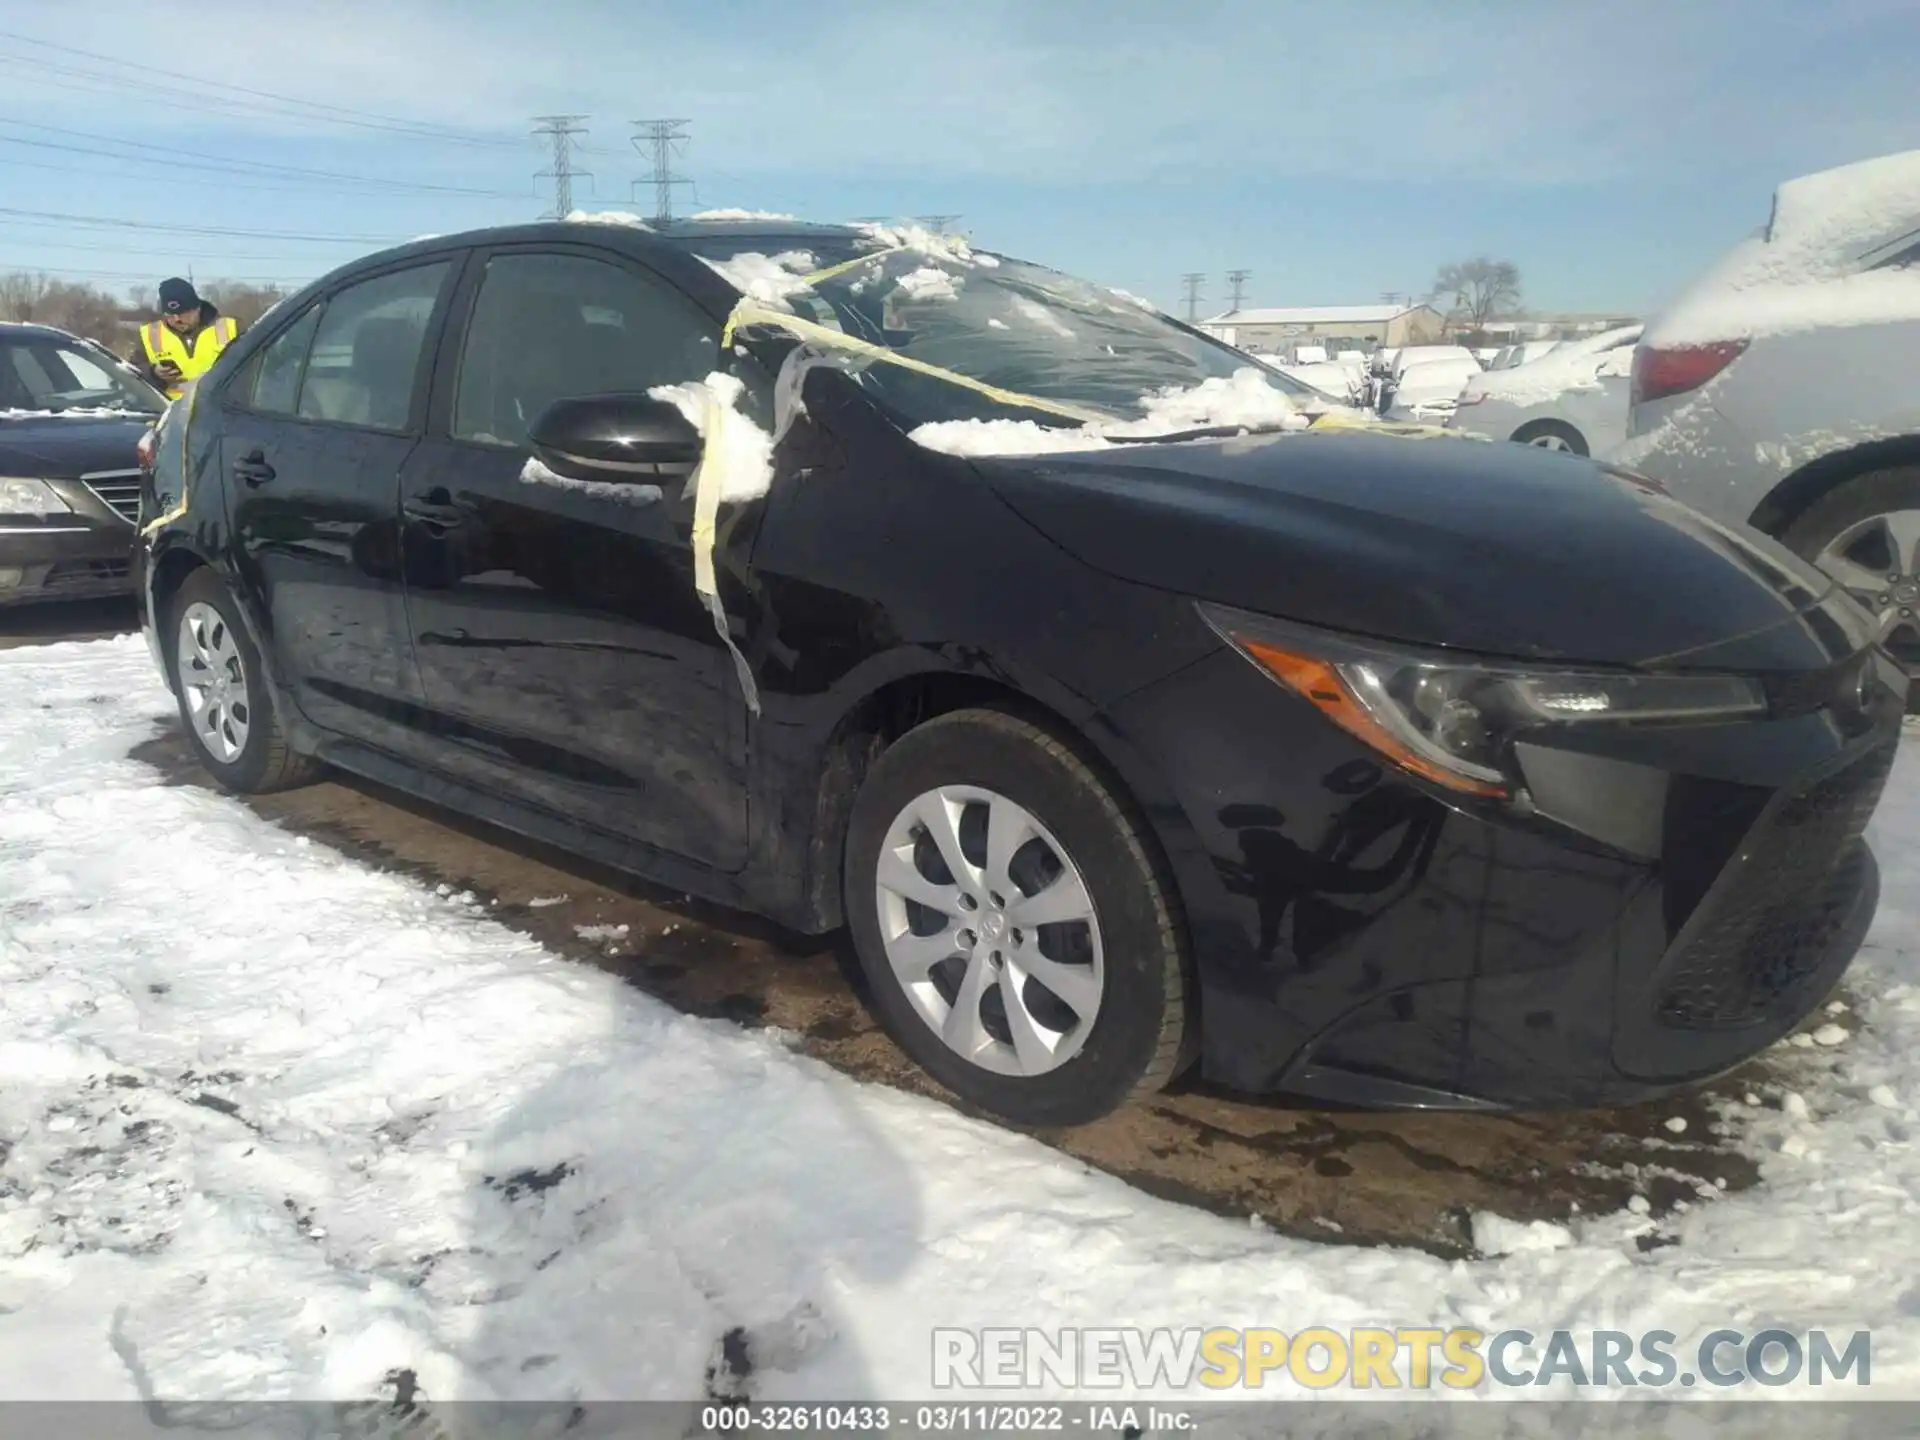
[[1783, 389]]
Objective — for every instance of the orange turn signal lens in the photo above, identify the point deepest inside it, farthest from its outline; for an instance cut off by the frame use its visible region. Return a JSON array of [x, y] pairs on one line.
[[1323, 686]]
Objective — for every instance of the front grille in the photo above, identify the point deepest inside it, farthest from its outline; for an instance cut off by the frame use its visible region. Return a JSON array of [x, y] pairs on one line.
[[119, 491], [1773, 915]]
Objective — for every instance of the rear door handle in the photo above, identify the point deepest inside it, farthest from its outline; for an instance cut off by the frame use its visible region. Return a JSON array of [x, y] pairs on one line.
[[252, 469]]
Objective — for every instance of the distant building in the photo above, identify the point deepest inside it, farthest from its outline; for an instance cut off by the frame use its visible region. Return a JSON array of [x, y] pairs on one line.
[[1337, 327]]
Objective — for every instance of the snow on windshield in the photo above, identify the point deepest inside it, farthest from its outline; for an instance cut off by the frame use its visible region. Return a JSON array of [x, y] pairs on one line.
[[1243, 401], [1807, 271], [769, 279]]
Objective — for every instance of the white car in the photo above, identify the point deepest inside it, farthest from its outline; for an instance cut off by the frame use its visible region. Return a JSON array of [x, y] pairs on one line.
[[1411, 355], [1574, 399], [1342, 382], [1426, 393]]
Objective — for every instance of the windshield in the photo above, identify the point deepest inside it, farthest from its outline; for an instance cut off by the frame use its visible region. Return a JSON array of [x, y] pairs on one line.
[[1002, 322], [44, 375]]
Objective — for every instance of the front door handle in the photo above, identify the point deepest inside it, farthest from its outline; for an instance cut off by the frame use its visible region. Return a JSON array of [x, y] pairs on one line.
[[436, 508], [252, 469]]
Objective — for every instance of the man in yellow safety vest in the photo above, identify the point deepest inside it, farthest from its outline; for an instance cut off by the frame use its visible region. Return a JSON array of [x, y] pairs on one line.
[[184, 342]]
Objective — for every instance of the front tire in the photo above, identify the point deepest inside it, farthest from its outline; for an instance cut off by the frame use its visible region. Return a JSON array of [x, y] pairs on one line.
[[1865, 534], [226, 708], [1552, 435], [1020, 940]]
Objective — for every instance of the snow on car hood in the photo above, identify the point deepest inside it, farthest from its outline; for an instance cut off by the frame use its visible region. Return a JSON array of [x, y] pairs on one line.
[[1804, 271]]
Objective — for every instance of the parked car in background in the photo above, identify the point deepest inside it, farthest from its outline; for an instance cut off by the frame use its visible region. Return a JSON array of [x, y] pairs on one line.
[[1511, 357], [1142, 797], [71, 417], [1783, 388], [1425, 393], [1574, 399], [1344, 383]]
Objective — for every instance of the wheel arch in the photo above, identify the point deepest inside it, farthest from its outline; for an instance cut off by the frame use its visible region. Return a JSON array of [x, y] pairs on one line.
[[896, 703], [1787, 501]]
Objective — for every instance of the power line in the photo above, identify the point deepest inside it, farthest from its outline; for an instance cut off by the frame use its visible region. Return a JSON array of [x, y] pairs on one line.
[[199, 160], [561, 129], [341, 114], [661, 139], [1238, 279], [110, 222], [1192, 281]]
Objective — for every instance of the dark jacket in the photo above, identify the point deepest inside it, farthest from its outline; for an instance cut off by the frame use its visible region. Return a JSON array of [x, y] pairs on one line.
[[137, 357]]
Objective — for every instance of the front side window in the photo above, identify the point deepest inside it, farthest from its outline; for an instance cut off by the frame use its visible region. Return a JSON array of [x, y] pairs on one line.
[[277, 372], [365, 360], [557, 327], [52, 376]]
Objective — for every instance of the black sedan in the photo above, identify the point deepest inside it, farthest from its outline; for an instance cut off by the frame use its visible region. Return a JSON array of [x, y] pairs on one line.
[[1387, 771], [71, 418]]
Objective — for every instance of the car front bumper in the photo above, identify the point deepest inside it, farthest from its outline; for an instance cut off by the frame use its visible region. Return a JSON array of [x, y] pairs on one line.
[[1361, 940], [84, 554]]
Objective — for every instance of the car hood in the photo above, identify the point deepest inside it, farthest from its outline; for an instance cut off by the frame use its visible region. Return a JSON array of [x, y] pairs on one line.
[[1502, 550], [65, 447]]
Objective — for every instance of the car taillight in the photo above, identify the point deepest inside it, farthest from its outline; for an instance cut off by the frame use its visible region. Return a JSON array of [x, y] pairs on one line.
[[1658, 373]]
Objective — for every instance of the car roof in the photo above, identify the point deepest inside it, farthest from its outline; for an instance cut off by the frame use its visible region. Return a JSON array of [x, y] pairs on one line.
[[27, 330]]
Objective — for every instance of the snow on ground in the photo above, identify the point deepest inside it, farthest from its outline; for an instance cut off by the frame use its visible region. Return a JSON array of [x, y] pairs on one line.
[[274, 1124]]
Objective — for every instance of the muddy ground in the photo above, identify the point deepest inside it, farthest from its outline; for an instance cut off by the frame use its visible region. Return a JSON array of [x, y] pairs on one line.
[[1331, 1176]]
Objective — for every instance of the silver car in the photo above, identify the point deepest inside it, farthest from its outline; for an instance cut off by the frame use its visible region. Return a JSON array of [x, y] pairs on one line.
[[1573, 399], [1781, 389]]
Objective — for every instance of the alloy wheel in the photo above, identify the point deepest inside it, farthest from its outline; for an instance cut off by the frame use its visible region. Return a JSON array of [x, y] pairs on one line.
[[990, 930], [1551, 441], [1877, 561], [213, 681]]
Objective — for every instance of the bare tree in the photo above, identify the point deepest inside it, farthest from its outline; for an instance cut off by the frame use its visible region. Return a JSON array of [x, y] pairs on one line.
[[1476, 290], [22, 295], [242, 302]]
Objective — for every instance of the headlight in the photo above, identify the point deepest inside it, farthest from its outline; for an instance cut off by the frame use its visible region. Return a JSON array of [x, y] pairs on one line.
[[1453, 721], [23, 495]]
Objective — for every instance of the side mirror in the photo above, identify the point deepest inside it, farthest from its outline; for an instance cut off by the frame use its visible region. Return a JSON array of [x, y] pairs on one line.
[[614, 438]]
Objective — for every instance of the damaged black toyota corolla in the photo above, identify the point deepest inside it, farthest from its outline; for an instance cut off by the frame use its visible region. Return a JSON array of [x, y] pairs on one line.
[[1383, 770]]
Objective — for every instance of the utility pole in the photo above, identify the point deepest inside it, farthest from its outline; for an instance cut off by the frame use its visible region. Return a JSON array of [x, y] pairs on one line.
[[661, 140], [1238, 279], [1193, 280], [561, 129]]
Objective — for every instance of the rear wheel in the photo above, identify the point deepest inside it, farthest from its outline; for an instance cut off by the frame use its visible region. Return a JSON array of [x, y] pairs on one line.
[[1866, 535], [225, 706], [1552, 435], [1020, 941]]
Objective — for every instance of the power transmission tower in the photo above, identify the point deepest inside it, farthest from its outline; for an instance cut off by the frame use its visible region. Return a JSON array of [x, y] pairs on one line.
[[661, 140], [937, 223], [561, 129], [1193, 281], [1391, 297], [1238, 279]]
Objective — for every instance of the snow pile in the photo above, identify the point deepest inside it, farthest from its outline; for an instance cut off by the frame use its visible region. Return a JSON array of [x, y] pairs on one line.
[[607, 217], [1133, 299], [919, 239], [745, 451], [730, 214], [927, 283], [1569, 367], [78, 412], [1245, 400], [356, 1128], [534, 473], [1497, 1235], [767, 279], [1803, 275]]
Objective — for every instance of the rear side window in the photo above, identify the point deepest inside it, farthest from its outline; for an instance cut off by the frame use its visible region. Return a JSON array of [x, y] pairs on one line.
[[276, 375], [365, 360], [555, 327]]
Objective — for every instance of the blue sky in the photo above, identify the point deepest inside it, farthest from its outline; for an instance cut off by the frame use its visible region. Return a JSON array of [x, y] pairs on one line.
[[1335, 150]]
